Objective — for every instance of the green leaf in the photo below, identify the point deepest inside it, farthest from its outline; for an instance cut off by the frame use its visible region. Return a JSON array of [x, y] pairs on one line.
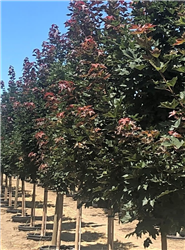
[[145, 201], [140, 67], [181, 21], [152, 202], [169, 105], [180, 69], [166, 193], [177, 123], [172, 82], [182, 95], [173, 142], [171, 10], [176, 142], [147, 242], [109, 143], [159, 66]]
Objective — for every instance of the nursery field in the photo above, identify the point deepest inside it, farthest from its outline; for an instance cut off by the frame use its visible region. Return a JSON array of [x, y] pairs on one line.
[[94, 227]]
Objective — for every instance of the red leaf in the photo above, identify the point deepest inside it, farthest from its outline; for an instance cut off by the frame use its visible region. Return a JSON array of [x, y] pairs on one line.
[[48, 94], [179, 41], [141, 29], [39, 135]]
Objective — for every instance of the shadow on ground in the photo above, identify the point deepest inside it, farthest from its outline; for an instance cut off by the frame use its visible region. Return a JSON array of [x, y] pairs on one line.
[[69, 225], [70, 237], [89, 236], [49, 218], [38, 204], [117, 246]]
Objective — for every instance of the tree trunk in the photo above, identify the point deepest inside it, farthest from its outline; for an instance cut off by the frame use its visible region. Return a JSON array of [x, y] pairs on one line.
[[44, 215], [78, 227], [32, 220], [1, 182], [110, 230], [16, 193], [163, 241], [23, 198], [6, 189], [55, 223], [10, 191], [59, 215]]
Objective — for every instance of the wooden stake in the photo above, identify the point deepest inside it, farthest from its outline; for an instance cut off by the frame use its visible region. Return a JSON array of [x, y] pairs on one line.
[[16, 193], [110, 230], [32, 220], [78, 227], [10, 191], [55, 223], [163, 241], [6, 189], [23, 198], [59, 215], [44, 215]]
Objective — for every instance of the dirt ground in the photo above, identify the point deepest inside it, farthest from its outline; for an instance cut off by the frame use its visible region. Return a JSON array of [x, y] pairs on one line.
[[94, 228]]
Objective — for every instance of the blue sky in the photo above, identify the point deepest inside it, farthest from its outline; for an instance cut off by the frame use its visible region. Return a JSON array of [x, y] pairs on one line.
[[24, 26]]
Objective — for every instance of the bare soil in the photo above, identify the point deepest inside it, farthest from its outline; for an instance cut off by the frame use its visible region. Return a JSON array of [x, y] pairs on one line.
[[94, 228]]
